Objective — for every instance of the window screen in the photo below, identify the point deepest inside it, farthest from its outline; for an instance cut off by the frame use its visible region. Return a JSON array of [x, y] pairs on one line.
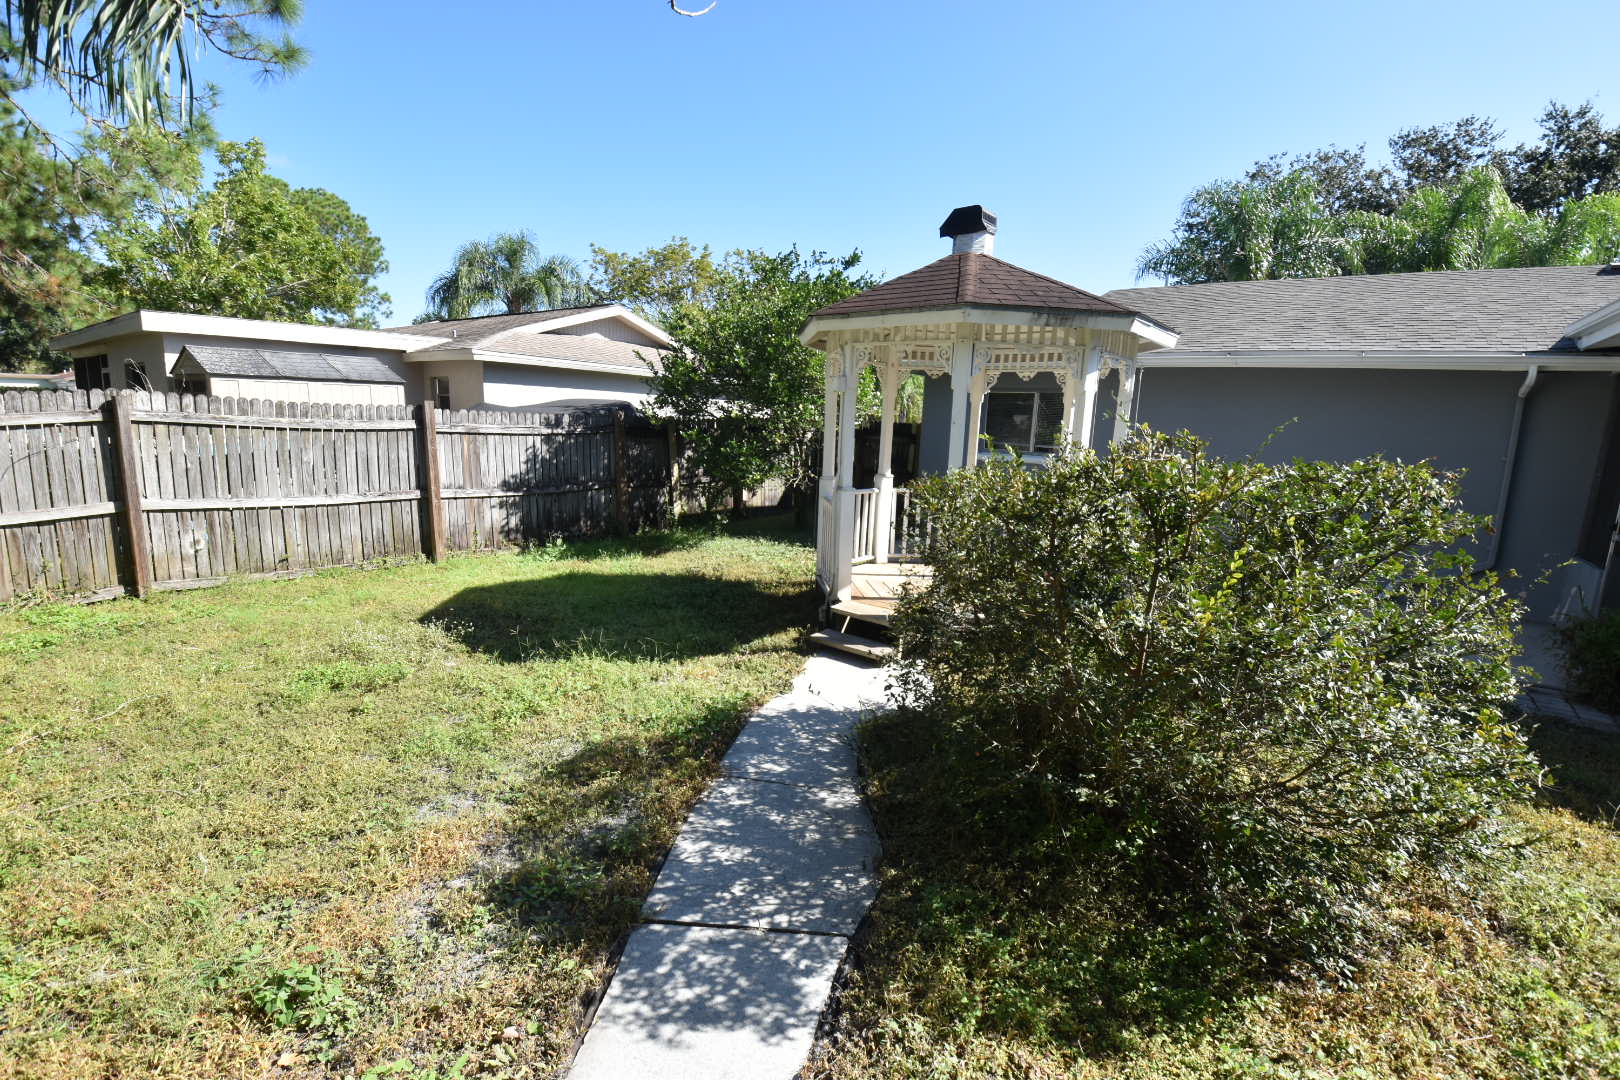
[[1024, 422], [1009, 419], [1049, 422]]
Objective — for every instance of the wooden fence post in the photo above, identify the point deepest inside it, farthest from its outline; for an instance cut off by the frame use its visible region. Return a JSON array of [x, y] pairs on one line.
[[432, 502], [672, 470], [621, 474], [120, 409]]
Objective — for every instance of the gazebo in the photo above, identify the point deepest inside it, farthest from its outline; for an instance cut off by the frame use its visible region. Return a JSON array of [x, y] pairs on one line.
[[971, 322]]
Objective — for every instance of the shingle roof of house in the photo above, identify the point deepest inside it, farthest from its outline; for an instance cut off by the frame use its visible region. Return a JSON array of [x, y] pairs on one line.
[[599, 351], [1518, 310], [467, 332], [976, 280], [277, 364]]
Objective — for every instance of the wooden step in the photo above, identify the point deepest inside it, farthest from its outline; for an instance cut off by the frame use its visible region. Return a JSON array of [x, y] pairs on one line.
[[879, 611], [865, 648]]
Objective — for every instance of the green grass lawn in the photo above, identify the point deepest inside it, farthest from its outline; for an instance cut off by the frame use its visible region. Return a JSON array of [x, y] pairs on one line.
[[348, 822], [978, 968]]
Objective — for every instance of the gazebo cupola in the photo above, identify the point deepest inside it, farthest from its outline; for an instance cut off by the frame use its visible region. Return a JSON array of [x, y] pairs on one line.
[[970, 319]]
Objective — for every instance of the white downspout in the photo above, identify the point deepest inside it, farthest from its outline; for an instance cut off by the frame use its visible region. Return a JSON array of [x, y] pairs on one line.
[[1499, 519]]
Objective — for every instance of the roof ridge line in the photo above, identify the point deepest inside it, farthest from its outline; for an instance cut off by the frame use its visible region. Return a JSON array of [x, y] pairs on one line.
[[1053, 280]]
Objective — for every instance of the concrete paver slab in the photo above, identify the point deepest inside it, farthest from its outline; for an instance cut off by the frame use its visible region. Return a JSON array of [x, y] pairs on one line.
[[783, 842], [807, 743], [707, 1004], [770, 855]]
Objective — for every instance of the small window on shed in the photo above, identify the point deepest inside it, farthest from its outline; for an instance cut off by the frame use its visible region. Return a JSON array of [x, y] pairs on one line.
[[92, 373], [441, 392]]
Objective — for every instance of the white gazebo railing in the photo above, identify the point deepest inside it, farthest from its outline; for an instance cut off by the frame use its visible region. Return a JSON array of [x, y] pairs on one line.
[[869, 543]]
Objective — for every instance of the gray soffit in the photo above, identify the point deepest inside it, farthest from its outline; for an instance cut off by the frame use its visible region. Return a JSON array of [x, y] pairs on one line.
[[279, 364], [1496, 311]]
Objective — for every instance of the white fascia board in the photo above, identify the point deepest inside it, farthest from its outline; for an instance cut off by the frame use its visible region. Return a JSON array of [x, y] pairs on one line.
[[1600, 329], [1394, 361], [491, 357], [1150, 332], [609, 311], [174, 322]]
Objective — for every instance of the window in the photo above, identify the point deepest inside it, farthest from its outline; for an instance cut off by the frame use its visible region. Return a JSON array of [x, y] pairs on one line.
[[92, 373], [441, 392], [135, 376], [187, 383], [1024, 422]]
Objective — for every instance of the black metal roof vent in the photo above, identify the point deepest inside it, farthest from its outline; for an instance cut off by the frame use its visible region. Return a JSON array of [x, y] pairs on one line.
[[965, 220]]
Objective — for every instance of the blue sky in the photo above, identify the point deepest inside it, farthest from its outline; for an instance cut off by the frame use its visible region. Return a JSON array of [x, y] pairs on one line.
[[842, 124]]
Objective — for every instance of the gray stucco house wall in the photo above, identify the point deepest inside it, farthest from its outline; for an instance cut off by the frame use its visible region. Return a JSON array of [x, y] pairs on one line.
[[1457, 419]]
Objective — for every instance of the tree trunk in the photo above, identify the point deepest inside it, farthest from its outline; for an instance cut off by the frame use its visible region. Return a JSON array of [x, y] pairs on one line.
[[738, 508]]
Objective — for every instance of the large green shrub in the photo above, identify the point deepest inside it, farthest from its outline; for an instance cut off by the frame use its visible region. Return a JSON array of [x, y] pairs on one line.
[[1253, 693], [1591, 649]]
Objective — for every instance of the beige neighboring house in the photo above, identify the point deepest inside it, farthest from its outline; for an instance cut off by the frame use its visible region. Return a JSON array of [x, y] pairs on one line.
[[565, 357]]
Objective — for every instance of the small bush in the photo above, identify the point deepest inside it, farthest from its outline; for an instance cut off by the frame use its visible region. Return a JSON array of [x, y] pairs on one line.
[[1251, 695], [1592, 657]]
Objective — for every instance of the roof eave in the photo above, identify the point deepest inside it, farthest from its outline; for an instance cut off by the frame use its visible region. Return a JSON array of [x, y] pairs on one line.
[[1153, 334], [145, 321], [1597, 330], [1394, 360]]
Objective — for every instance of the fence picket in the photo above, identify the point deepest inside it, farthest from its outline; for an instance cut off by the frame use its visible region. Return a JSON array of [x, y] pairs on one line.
[[225, 486]]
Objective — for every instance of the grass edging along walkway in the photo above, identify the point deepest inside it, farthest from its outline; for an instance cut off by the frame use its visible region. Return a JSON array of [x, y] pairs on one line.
[[380, 821], [974, 968]]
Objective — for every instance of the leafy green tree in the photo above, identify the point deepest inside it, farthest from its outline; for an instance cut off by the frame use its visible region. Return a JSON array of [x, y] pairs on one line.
[[53, 210], [1251, 697], [1441, 153], [250, 246], [1578, 156], [505, 274], [1236, 231], [742, 390], [658, 280], [1451, 198], [1473, 224]]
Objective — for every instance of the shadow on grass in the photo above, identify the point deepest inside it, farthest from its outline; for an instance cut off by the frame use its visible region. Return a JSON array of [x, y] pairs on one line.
[[1584, 767], [593, 831], [633, 616]]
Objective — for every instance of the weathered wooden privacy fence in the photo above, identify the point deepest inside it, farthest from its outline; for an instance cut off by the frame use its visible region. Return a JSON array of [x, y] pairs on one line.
[[105, 493]]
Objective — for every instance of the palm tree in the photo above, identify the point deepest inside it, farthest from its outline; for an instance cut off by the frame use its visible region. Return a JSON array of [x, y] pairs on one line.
[[506, 274]]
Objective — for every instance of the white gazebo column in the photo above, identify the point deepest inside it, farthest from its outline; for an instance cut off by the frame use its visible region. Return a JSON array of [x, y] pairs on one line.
[[829, 422], [976, 391], [961, 367], [844, 549], [889, 376], [1124, 400], [1080, 396]]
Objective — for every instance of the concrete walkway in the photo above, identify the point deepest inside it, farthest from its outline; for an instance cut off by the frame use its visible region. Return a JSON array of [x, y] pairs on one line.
[[1549, 696], [751, 915]]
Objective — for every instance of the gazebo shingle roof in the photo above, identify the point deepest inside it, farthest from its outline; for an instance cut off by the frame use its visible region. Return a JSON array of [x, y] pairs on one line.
[[972, 279]]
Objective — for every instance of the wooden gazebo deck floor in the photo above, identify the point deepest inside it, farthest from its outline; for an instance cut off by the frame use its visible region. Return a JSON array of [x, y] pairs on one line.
[[884, 581]]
